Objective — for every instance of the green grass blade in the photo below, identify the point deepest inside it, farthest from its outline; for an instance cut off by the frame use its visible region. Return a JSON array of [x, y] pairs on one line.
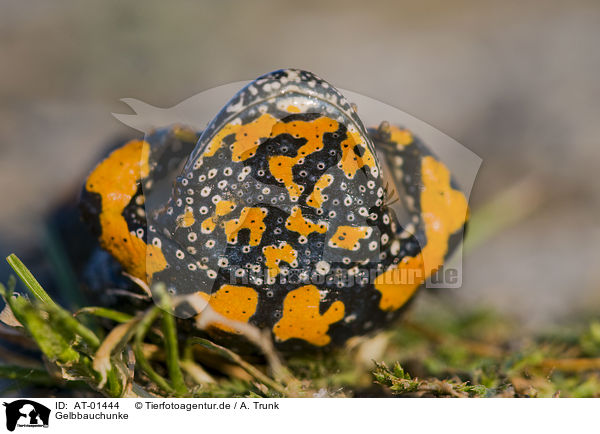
[[141, 360], [28, 375], [171, 344], [31, 282], [104, 312]]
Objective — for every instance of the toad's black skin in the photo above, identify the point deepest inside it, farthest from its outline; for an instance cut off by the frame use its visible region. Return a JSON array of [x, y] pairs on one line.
[[278, 213]]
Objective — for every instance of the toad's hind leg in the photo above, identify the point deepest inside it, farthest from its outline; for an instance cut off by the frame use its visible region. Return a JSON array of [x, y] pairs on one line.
[[113, 200], [435, 211]]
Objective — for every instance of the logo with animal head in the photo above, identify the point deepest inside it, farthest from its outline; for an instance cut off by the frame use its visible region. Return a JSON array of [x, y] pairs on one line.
[[26, 413]]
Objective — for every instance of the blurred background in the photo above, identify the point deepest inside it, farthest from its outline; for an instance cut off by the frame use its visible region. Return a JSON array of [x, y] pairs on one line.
[[515, 82]]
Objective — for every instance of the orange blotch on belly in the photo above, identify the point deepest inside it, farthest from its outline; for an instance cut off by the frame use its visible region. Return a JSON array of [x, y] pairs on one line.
[[223, 208], [297, 223], [237, 303], [250, 218], [247, 137], [281, 167], [351, 162], [275, 254], [348, 237], [301, 318], [186, 219], [315, 199]]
